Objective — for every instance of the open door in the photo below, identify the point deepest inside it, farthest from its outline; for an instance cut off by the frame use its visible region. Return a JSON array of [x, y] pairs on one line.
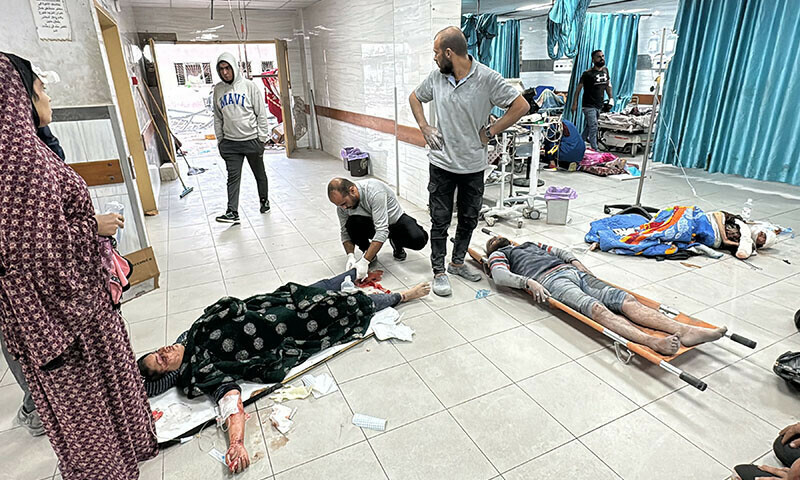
[[285, 84], [127, 110]]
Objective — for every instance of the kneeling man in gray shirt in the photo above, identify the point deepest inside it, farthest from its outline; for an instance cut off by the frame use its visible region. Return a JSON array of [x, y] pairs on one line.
[[369, 214]]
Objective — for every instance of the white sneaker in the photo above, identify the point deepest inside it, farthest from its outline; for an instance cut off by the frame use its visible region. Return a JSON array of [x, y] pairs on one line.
[[441, 285]]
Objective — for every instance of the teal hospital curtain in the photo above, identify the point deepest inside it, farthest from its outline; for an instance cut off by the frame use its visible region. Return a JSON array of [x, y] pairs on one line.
[[617, 35], [695, 79], [505, 49], [564, 24], [480, 30], [730, 94], [505, 53]]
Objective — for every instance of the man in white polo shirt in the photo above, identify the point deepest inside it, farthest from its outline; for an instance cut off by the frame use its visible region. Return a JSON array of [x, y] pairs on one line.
[[464, 92]]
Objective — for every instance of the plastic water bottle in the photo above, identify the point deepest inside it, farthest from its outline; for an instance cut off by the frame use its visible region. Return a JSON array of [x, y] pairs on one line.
[[747, 209], [119, 209], [348, 286]]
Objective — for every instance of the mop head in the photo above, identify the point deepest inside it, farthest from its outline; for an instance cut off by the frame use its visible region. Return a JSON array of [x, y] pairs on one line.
[[186, 191]]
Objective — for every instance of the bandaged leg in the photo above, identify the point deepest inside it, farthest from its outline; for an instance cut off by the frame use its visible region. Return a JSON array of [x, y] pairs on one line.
[[688, 334]]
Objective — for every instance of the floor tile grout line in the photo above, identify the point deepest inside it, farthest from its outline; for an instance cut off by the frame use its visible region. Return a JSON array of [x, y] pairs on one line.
[[264, 439], [684, 437], [724, 398], [464, 430], [527, 325], [378, 459], [512, 382], [742, 406], [599, 458], [366, 437]]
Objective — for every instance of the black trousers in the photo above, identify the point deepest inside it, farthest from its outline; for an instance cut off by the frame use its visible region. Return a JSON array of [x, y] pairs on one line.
[[405, 233], [234, 154], [441, 188], [786, 454]]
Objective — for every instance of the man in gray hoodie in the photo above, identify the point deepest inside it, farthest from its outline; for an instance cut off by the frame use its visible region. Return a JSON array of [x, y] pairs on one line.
[[240, 124]]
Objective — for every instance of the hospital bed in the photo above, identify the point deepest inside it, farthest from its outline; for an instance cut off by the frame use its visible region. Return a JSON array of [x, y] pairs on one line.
[[621, 131], [625, 349]]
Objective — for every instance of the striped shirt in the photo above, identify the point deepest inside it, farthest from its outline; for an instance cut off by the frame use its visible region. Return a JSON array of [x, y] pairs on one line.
[[513, 266]]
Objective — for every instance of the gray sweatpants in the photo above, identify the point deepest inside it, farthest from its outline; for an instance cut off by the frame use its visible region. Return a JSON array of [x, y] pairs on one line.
[[234, 154], [16, 370]]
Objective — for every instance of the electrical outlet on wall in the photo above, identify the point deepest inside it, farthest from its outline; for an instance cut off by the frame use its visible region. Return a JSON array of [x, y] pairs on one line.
[[563, 65], [656, 63]]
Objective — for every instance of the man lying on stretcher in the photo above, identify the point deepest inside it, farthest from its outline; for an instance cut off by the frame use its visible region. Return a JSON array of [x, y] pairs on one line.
[[545, 271]]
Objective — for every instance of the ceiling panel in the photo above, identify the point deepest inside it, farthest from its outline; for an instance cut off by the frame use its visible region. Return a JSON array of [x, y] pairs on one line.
[[251, 4], [599, 6]]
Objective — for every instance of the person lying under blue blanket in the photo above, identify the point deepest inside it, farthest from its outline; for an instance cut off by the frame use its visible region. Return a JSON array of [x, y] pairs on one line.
[[545, 271], [681, 229], [259, 339]]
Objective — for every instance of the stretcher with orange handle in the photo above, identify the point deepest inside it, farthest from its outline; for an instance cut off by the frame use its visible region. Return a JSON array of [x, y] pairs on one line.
[[631, 348]]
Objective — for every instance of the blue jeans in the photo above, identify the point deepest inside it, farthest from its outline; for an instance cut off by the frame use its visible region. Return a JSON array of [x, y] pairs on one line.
[[590, 115], [381, 300], [581, 291]]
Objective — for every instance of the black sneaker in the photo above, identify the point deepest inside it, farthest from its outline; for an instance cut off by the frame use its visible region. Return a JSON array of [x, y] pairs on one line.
[[229, 217], [398, 254], [265, 207]]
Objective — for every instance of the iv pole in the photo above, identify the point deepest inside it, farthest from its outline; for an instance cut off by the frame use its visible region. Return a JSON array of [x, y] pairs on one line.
[[637, 207]]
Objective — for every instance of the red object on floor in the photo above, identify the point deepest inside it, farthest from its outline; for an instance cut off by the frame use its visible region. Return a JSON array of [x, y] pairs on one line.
[[157, 414], [371, 280]]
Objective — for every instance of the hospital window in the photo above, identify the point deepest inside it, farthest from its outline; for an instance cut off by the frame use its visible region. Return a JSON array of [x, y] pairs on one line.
[[207, 73], [267, 65], [245, 66], [180, 75]]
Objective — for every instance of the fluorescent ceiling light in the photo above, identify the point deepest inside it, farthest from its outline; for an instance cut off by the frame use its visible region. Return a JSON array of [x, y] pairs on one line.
[[535, 6]]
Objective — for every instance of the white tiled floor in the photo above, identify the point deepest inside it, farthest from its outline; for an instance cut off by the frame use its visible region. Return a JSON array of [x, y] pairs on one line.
[[490, 388]]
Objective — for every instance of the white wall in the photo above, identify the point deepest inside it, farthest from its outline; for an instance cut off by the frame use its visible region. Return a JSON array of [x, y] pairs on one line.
[[85, 81], [369, 61], [78, 62]]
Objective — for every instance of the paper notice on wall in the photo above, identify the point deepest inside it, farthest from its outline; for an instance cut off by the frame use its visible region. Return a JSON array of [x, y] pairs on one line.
[[51, 19]]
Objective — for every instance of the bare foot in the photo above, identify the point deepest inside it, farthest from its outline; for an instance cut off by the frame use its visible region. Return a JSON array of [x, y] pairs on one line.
[[417, 291], [697, 335], [667, 345]]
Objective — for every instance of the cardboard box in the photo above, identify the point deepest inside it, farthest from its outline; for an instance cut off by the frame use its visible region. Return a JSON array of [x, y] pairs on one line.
[[145, 266]]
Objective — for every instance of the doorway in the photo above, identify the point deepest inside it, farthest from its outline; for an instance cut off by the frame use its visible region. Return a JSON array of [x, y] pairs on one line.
[[187, 74], [119, 76]]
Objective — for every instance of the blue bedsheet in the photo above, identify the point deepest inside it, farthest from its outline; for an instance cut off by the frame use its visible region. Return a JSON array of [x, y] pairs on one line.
[[672, 230]]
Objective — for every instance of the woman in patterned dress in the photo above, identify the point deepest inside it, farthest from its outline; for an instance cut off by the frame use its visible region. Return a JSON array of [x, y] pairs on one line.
[[56, 313]]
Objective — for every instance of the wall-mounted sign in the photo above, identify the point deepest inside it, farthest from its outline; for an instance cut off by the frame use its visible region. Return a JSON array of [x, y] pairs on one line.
[[51, 19]]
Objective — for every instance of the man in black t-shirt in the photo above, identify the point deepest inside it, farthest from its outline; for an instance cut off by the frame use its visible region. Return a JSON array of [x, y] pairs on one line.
[[594, 82]]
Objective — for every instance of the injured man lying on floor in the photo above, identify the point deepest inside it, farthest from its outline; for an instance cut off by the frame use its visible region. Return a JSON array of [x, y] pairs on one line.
[[545, 271], [259, 339]]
